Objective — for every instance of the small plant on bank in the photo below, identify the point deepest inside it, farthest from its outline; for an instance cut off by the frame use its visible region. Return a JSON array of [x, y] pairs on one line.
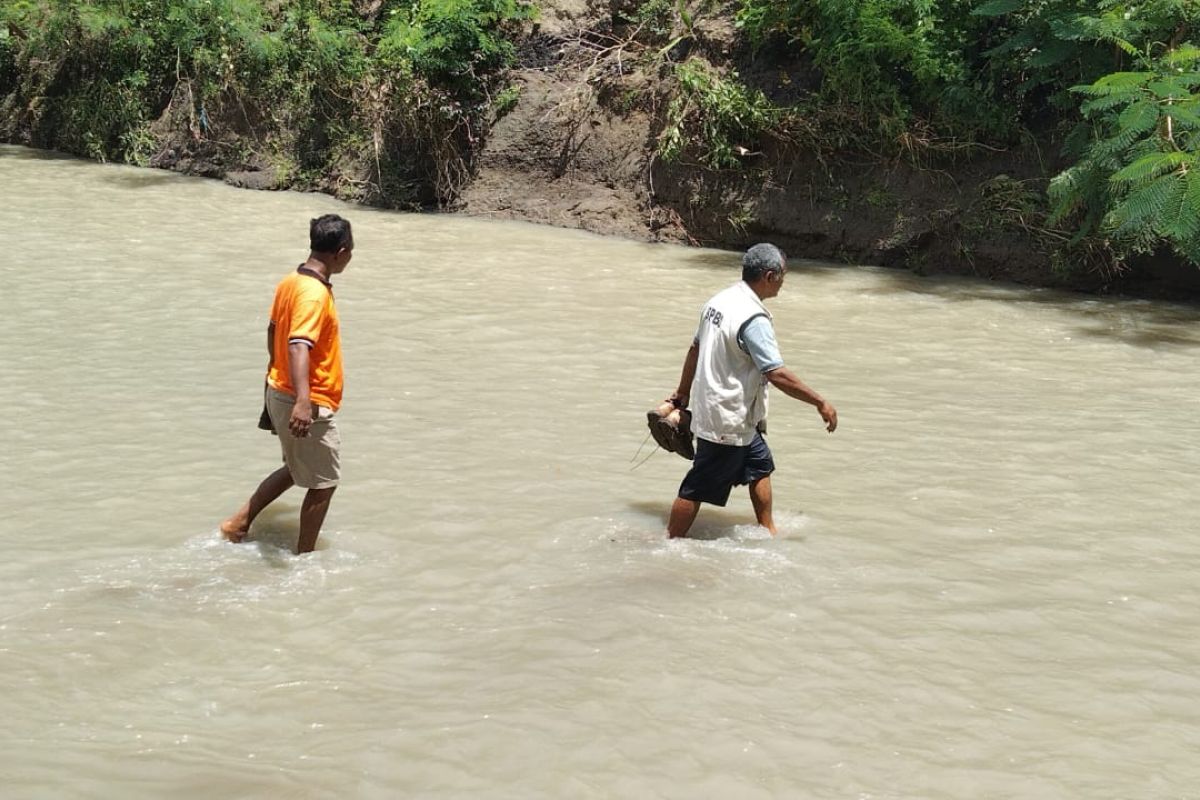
[[715, 117], [656, 17], [505, 100]]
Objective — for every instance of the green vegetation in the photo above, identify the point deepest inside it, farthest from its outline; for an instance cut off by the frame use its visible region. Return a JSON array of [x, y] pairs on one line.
[[305, 85], [1117, 82], [895, 57], [453, 43], [715, 115], [1138, 177], [389, 99], [1131, 71]]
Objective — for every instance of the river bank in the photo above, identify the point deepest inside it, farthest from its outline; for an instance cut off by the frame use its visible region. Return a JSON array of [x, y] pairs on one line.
[[572, 137]]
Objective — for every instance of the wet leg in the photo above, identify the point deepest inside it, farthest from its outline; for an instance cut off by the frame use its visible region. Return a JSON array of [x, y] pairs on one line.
[[236, 527], [762, 500], [312, 515], [683, 514]]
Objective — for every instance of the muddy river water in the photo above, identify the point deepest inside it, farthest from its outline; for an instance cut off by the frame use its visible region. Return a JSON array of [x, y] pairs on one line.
[[985, 585]]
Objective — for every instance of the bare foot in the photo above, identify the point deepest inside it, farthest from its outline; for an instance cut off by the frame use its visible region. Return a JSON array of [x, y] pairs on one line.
[[233, 531]]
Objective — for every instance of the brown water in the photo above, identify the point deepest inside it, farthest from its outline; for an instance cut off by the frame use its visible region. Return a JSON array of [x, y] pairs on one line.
[[985, 585]]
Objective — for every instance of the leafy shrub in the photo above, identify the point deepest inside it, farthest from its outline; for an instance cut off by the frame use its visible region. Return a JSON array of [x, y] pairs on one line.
[[453, 43], [1138, 181], [895, 57], [714, 116], [657, 17], [313, 82], [103, 68]]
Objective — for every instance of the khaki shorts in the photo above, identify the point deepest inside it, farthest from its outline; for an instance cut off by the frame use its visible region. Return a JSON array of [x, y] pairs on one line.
[[313, 461]]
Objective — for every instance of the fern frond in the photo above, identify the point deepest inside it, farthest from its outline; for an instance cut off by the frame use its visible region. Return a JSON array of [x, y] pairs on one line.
[[1186, 117], [1116, 82], [1071, 28], [1112, 151], [1098, 104], [1181, 221], [1183, 56], [1193, 185], [1189, 250], [1169, 89], [1139, 210], [1111, 27], [1139, 117], [1149, 167], [1071, 190], [1128, 47]]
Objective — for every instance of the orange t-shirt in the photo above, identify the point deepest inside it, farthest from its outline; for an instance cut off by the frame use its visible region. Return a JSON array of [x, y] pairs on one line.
[[303, 311]]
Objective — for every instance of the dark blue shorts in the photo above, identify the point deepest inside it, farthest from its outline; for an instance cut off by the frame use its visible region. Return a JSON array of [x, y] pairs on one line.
[[720, 467]]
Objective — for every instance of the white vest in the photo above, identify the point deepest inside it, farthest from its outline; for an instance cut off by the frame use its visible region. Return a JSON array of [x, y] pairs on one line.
[[729, 395]]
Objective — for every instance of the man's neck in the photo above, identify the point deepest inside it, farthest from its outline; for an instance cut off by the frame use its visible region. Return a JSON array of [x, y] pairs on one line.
[[758, 287], [314, 264]]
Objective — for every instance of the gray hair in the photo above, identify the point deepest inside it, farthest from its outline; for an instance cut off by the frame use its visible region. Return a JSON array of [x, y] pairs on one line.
[[761, 259]]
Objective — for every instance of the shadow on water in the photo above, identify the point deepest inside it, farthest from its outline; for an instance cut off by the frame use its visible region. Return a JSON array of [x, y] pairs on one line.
[[18, 153], [119, 175], [1149, 324], [145, 178], [724, 260]]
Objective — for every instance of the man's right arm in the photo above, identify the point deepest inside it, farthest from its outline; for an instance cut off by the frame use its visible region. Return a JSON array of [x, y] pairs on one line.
[[303, 331], [301, 418], [686, 376]]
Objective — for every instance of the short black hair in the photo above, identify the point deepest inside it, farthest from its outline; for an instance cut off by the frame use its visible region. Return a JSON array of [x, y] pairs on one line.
[[328, 233], [761, 259]]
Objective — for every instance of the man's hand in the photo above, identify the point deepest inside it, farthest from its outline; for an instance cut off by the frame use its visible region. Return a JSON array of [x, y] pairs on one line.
[[301, 419], [302, 414], [786, 381], [829, 414]]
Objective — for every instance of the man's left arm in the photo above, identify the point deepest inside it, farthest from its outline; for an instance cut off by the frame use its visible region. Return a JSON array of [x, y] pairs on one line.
[[786, 381], [758, 339]]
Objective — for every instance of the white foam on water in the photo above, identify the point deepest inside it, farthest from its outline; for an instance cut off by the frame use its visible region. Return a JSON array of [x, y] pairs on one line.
[[206, 572]]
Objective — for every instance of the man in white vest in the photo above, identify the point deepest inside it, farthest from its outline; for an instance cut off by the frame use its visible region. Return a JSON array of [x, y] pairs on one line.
[[733, 357]]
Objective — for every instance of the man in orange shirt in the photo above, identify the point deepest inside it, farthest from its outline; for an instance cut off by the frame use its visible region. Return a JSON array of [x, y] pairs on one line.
[[304, 384]]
